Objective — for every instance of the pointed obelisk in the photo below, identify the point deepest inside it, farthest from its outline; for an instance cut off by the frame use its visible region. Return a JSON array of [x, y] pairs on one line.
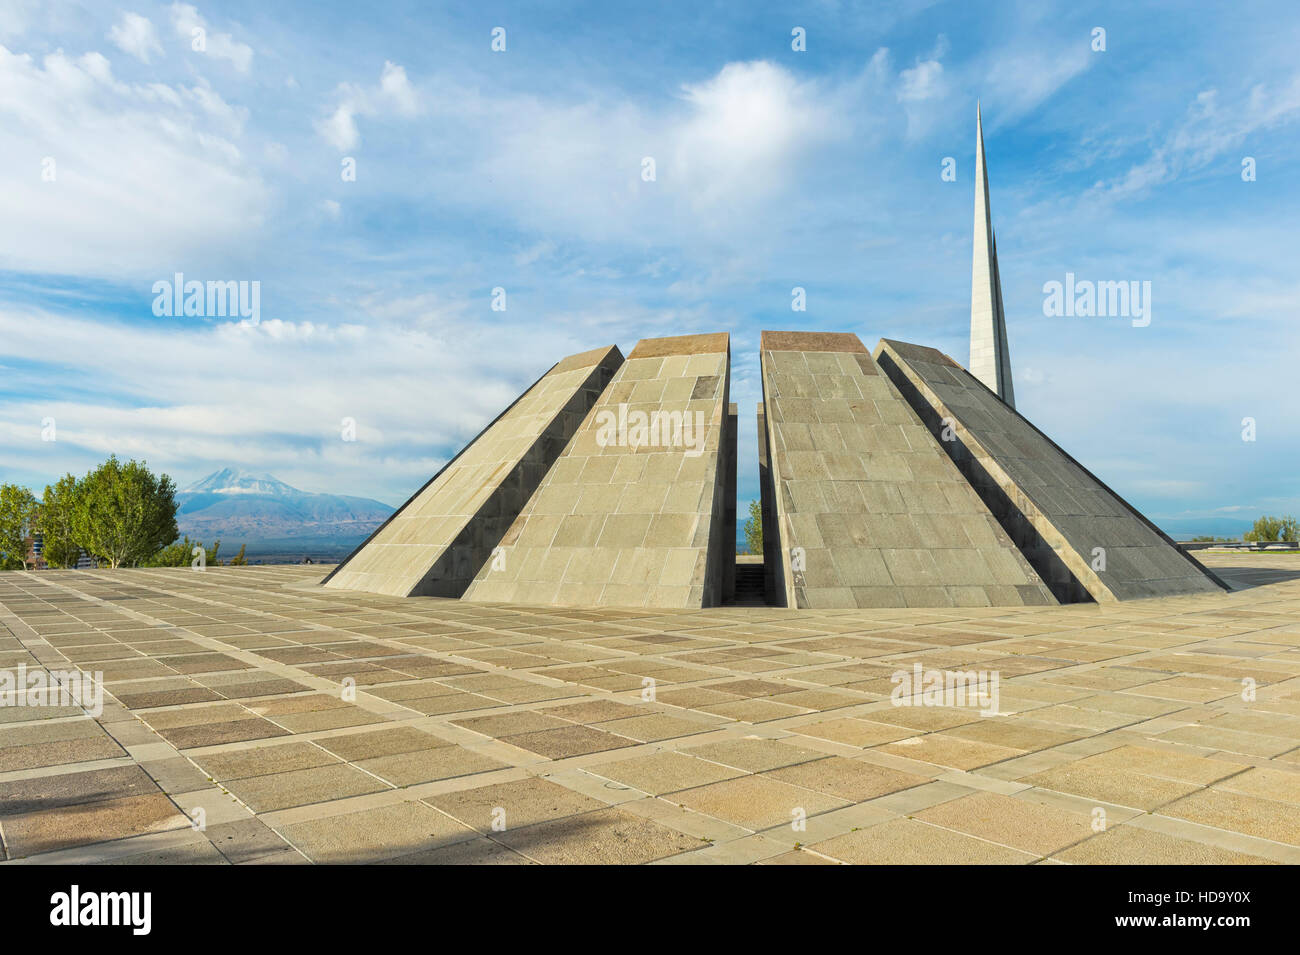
[[990, 359]]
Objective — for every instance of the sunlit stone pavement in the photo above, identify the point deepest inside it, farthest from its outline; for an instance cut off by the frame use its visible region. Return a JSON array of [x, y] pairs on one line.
[[1162, 731]]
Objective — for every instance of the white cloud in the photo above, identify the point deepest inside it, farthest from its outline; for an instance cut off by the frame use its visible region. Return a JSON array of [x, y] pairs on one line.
[[142, 174], [925, 80], [135, 35], [340, 128], [1208, 131], [1018, 79], [393, 95], [396, 89], [921, 82], [745, 128], [193, 29], [190, 395]]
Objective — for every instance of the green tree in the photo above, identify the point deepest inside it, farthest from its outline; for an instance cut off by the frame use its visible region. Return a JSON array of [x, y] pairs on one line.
[[754, 529], [124, 514], [1274, 529], [239, 560], [181, 553], [60, 548], [17, 517]]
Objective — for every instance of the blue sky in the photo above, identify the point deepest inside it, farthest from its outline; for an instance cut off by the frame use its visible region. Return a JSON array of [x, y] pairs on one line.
[[521, 169]]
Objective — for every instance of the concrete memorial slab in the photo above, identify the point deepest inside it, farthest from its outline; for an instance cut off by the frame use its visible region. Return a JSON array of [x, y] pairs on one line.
[[1084, 540], [868, 511], [635, 512], [435, 542]]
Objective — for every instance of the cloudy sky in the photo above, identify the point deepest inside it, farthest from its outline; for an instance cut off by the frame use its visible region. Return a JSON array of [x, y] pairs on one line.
[[145, 140]]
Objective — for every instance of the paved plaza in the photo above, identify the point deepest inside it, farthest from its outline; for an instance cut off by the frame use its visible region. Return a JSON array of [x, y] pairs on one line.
[[491, 733]]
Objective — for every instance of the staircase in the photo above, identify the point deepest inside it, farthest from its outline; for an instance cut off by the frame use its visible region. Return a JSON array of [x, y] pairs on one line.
[[749, 586]]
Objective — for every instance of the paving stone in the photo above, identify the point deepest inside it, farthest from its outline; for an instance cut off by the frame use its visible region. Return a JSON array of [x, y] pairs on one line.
[[569, 741], [1128, 845], [68, 790], [504, 806], [374, 834], [908, 842], [1017, 823], [1238, 812], [391, 742], [262, 760], [301, 787], [602, 837], [443, 762], [754, 755], [850, 779], [215, 734], [658, 773], [756, 802], [1134, 790], [36, 832]]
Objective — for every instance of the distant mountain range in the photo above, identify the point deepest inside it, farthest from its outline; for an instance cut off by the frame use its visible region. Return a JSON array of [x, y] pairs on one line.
[[272, 518]]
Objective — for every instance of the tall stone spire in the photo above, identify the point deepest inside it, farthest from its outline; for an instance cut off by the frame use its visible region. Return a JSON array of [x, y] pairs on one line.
[[990, 359]]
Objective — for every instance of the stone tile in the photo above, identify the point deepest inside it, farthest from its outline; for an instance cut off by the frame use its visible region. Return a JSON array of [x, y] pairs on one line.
[[1237, 812], [576, 740], [943, 750], [392, 742], [603, 837], [249, 840], [854, 732], [594, 711], [1130, 789], [908, 842], [328, 720], [656, 726], [658, 773], [755, 802], [301, 787], [67, 790], [754, 755], [470, 852], [1276, 784], [850, 779], [1183, 767], [501, 725], [262, 760], [1009, 821], [100, 821], [1128, 845], [38, 755], [753, 711], [797, 857], [374, 834], [195, 853], [215, 734], [428, 765], [513, 805]]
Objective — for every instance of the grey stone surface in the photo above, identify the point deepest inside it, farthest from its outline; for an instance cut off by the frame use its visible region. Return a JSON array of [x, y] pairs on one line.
[[439, 539], [869, 511], [1059, 514], [634, 512]]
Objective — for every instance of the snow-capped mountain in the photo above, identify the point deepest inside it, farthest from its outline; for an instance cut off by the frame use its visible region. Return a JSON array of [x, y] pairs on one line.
[[269, 516]]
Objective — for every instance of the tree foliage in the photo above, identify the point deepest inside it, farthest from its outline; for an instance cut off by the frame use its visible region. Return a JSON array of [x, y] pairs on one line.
[[754, 529], [181, 554], [17, 519], [1274, 529], [123, 513], [58, 506]]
